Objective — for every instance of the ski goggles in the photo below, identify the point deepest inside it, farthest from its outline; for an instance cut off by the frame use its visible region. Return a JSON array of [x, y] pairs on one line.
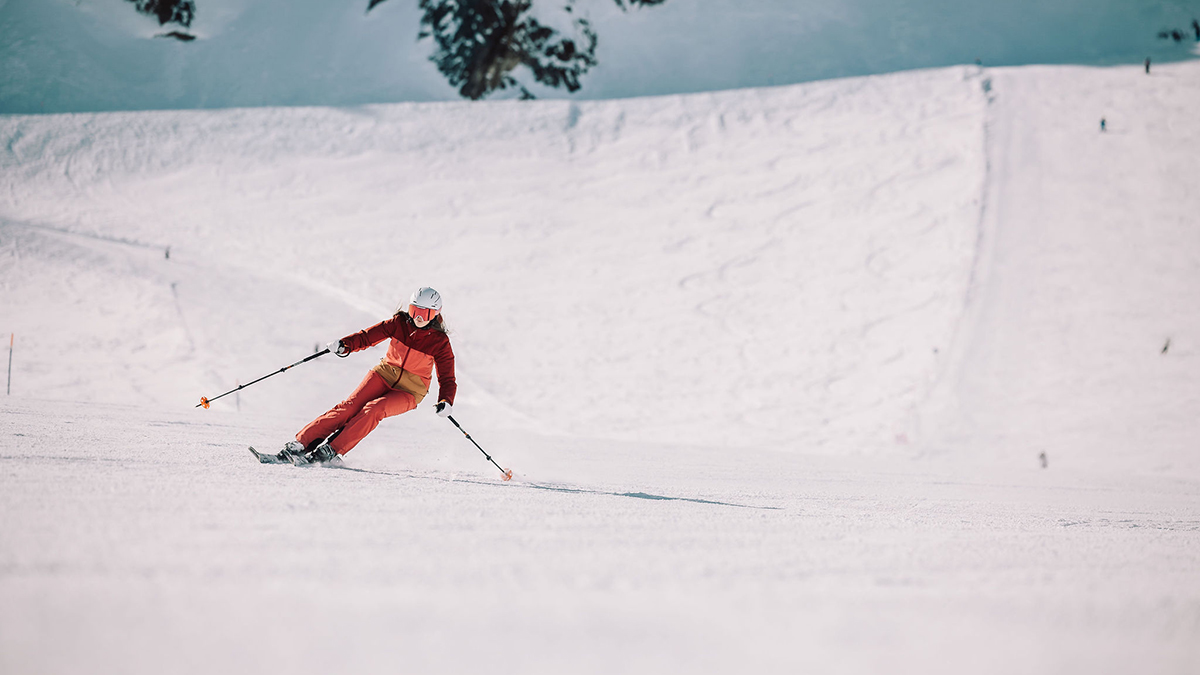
[[422, 313]]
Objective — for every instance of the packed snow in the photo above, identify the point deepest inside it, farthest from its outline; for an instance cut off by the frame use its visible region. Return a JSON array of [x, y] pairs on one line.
[[884, 373]]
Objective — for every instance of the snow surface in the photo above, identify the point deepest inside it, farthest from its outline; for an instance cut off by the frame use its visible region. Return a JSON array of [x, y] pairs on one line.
[[774, 369], [137, 541]]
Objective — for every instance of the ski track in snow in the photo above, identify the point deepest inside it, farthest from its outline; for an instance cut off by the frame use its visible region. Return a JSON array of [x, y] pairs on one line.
[[558, 487], [877, 302]]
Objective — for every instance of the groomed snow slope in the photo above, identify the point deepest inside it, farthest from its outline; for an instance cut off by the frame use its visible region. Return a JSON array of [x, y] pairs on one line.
[[1082, 338], [148, 542], [874, 303], [773, 267]]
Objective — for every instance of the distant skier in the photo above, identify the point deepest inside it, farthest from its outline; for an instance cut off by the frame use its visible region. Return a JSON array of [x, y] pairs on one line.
[[1147, 65], [1103, 124], [419, 343]]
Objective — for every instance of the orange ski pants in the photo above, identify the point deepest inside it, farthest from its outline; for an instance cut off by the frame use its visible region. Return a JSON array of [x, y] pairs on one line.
[[358, 415]]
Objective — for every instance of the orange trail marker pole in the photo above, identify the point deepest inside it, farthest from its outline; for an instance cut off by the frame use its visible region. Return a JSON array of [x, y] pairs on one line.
[[507, 473], [205, 401]]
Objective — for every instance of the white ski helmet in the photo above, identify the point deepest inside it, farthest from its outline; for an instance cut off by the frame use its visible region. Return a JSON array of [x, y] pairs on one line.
[[426, 298]]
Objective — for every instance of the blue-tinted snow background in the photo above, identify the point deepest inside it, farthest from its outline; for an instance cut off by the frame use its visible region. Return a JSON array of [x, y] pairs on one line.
[[71, 56]]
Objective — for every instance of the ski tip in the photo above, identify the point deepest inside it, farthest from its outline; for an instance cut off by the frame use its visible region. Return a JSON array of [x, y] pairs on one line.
[[267, 458]]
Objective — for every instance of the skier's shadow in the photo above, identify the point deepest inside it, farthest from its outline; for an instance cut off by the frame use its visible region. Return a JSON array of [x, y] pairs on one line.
[[563, 488]]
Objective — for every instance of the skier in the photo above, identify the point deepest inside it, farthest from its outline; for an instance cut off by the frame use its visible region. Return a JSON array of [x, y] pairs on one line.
[[419, 343]]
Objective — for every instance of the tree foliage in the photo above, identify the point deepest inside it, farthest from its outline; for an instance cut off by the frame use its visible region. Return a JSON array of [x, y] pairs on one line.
[[168, 11], [481, 44]]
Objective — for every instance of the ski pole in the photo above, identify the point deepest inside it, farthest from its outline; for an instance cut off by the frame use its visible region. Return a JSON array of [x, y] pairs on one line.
[[506, 472], [205, 401]]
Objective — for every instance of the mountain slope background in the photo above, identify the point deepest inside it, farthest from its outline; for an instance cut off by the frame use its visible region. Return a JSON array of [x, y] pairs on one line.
[[823, 268], [91, 55]]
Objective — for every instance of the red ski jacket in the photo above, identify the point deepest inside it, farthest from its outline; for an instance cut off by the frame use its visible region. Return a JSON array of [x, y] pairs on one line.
[[411, 356]]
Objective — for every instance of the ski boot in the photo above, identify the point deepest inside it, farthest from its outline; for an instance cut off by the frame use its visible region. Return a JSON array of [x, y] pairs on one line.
[[291, 450], [323, 455]]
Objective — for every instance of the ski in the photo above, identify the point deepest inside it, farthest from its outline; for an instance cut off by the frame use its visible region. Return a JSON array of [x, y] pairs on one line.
[[265, 458], [268, 459]]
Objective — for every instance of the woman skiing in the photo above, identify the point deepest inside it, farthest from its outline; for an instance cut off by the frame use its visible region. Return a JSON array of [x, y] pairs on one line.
[[418, 344]]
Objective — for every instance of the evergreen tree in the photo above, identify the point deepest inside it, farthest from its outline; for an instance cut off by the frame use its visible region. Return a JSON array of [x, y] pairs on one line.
[[479, 43], [168, 11]]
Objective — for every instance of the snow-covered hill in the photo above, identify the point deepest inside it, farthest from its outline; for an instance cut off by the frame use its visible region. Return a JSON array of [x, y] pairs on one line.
[[776, 369], [88, 55], [1080, 338], [776, 266], [824, 267]]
